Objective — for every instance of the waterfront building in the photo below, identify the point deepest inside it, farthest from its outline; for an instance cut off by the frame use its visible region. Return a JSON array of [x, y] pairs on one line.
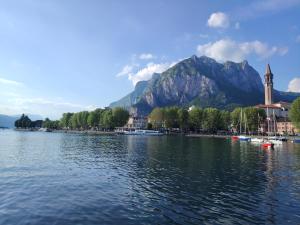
[[277, 121], [137, 122]]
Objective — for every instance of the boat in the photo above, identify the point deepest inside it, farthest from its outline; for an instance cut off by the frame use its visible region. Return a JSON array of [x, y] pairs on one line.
[[275, 140], [244, 138], [143, 132], [257, 140], [267, 144], [296, 141]]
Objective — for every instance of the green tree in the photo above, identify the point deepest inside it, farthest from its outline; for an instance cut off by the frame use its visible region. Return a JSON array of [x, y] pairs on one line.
[[211, 120], [120, 116], [235, 116], [183, 118], [195, 118], [82, 119], [294, 113], [65, 121], [93, 119], [74, 121], [224, 120], [157, 118], [253, 117], [171, 117], [107, 120]]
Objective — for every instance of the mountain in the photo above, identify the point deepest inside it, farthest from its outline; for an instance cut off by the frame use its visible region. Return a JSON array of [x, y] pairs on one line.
[[200, 81], [9, 121]]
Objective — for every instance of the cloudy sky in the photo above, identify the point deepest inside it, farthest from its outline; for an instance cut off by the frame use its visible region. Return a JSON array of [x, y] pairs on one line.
[[63, 55]]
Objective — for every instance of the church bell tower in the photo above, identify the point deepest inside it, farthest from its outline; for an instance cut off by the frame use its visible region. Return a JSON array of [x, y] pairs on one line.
[[268, 86]]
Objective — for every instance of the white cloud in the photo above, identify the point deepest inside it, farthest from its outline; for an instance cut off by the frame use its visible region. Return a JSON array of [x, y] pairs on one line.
[[227, 49], [146, 56], [147, 72], [294, 85], [218, 20], [10, 82], [53, 108], [126, 70], [298, 39]]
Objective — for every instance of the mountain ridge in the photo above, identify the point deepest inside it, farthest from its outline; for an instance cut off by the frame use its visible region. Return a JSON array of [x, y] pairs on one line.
[[200, 81]]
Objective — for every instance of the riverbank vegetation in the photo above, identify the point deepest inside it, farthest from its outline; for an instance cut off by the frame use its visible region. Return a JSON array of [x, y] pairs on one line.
[[209, 120]]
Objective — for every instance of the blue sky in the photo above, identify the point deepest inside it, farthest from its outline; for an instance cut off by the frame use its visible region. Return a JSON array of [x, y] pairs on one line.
[[62, 55]]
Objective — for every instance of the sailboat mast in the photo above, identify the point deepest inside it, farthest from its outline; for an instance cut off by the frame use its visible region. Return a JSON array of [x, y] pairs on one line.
[[274, 125], [268, 119], [241, 120]]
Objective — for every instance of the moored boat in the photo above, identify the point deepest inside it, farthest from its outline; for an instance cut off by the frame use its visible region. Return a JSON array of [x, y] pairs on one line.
[[244, 138], [296, 141], [267, 144], [275, 140], [257, 140], [235, 138], [143, 132]]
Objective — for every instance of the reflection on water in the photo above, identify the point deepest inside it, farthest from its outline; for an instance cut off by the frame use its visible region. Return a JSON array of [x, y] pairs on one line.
[[48, 178]]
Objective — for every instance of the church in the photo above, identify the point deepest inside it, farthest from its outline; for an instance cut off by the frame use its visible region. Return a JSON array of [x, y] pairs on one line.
[[277, 121]]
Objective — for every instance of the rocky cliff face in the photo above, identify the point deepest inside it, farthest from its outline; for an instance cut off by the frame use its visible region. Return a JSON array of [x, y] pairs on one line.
[[198, 81]]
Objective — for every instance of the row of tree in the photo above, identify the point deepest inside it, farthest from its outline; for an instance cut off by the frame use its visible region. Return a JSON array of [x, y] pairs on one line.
[[100, 118], [104, 119], [196, 119], [209, 119]]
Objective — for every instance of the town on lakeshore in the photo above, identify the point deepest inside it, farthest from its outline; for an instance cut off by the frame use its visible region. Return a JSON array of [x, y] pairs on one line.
[[169, 112], [271, 118]]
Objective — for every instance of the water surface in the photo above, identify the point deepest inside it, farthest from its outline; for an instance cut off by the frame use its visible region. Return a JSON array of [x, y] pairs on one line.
[[57, 178]]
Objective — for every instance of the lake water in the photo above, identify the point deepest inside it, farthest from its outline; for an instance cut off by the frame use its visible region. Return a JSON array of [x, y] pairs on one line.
[[56, 178]]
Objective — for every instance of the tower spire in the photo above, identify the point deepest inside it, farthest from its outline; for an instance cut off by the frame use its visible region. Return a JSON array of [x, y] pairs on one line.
[[268, 69], [268, 86]]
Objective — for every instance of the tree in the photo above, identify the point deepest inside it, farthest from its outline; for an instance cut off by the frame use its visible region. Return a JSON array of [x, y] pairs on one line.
[[253, 117], [120, 117], [224, 120], [195, 118], [107, 120], [23, 122], [294, 113], [74, 121], [171, 117], [211, 120], [157, 118], [183, 118], [93, 119], [235, 116], [82, 119], [65, 121]]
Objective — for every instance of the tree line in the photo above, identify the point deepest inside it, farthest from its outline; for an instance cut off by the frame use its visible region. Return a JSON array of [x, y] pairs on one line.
[[100, 119], [208, 120]]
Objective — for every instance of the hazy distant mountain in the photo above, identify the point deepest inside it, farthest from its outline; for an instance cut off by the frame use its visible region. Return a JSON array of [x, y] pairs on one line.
[[200, 81], [9, 121]]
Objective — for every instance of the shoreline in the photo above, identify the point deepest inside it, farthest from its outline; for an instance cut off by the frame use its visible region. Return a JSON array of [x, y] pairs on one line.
[[191, 135]]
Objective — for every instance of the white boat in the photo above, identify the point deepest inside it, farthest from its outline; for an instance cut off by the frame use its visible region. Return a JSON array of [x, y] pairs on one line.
[[257, 140], [143, 132], [275, 140], [244, 138]]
